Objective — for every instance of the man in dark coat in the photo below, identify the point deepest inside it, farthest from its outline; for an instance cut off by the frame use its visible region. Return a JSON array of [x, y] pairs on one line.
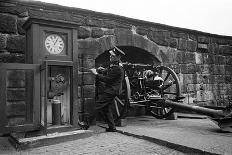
[[112, 86]]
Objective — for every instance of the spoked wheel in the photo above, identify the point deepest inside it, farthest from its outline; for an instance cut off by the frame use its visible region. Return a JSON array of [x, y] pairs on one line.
[[170, 90], [121, 103]]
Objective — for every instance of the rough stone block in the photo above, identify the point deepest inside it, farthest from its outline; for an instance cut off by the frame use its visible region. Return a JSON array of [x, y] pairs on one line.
[[90, 21], [211, 79], [188, 68], [220, 60], [107, 23], [189, 57], [97, 32], [230, 42], [204, 69], [191, 88], [228, 60], [179, 56], [225, 50], [88, 43], [84, 32], [200, 86], [124, 36], [222, 41], [229, 90], [139, 41], [181, 80], [199, 58], [202, 47], [173, 42], [175, 67], [106, 42], [208, 58], [213, 48], [200, 96], [179, 35], [20, 23], [77, 18], [159, 37], [228, 69], [142, 31], [203, 39], [11, 8], [193, 37], [189, 79], [209, 95], [160, 33], [108, 31], [16, 44], [3, 39], [203, 78], [204, 96], [228, 79], [191, 45], [182, 44], [167, 55], [219, 78], [8, 23], [219, 69], [160, 41]]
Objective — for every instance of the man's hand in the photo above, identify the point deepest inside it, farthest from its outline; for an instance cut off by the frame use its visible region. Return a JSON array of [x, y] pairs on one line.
[[94, 71]]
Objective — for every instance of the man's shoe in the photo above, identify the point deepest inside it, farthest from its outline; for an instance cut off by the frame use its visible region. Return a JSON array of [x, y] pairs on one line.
[[111, 130]]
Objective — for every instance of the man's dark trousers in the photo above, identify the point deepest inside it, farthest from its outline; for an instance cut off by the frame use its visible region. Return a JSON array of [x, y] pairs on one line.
[[104, 107]]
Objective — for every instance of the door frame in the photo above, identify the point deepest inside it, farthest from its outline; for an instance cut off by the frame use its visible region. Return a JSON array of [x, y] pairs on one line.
[[45, 66]]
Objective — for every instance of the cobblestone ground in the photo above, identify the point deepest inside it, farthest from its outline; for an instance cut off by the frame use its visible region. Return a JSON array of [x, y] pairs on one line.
[[100, 144]]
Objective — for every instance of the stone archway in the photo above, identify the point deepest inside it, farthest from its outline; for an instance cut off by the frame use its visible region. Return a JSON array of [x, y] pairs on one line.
[[128, 40], [92, 50]]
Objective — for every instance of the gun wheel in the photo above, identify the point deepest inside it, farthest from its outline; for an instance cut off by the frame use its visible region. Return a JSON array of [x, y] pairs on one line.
[[170, 90]]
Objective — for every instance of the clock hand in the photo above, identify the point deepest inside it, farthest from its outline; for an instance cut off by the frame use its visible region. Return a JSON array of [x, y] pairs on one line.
[[55, 41]]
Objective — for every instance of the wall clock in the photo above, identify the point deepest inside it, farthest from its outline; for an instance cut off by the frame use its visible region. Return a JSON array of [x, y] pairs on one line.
[[54, 44]]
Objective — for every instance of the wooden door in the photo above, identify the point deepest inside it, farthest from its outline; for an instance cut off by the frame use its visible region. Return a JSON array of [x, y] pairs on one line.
[[19, 97]]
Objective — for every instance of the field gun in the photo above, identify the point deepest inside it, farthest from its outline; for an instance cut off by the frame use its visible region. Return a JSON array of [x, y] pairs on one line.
[[162, 96]]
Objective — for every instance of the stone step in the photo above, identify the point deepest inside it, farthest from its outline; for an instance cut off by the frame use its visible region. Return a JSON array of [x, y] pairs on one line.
[[43, 140]]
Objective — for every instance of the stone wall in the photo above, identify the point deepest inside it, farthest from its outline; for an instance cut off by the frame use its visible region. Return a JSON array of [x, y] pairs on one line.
[[202, 61]]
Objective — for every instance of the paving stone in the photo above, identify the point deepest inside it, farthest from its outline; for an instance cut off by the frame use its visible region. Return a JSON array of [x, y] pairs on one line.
[[101, 143]]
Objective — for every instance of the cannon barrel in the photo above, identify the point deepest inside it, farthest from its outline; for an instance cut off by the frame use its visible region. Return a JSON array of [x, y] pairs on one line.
[[201, 110], [223, 118]]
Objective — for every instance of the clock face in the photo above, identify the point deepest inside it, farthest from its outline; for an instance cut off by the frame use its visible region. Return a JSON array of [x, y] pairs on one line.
[[54, 44]]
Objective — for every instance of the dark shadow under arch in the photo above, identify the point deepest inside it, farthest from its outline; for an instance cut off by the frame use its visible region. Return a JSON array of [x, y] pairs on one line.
[[133, 55]]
